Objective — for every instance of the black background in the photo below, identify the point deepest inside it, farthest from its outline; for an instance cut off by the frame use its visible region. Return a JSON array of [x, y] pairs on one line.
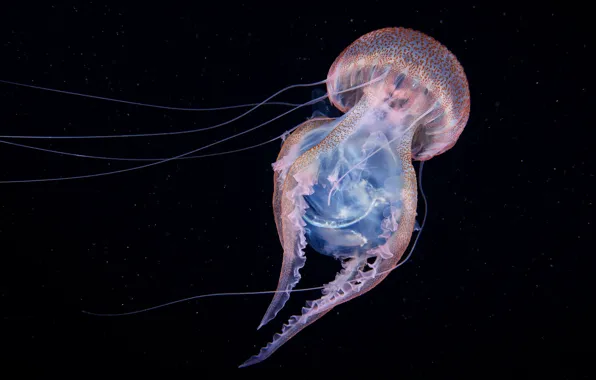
[[501, 277]]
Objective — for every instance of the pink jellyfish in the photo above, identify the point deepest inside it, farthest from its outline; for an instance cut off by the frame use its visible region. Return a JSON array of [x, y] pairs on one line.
[[347, 186]]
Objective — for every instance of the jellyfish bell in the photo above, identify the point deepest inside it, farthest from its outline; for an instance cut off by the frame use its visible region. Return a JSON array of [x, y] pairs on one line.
[[419, 73]]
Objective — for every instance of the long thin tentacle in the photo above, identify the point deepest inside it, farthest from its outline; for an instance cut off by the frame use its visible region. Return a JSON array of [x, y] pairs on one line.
[[144, 104], [149, 105], [79, 155]]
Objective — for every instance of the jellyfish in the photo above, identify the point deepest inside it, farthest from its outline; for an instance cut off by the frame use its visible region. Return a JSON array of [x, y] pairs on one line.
[[344, 185], [347, 186]]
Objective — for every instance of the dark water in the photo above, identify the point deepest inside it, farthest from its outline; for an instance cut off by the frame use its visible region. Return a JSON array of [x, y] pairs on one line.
[[501, 278]]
